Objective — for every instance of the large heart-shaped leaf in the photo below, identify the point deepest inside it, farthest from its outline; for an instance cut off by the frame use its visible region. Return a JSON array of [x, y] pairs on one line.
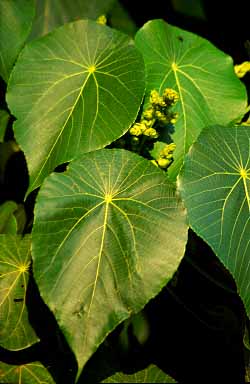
[[73, 91], [15, 23], [152, 374], [108, 235], [31, 373], [53, 13], [15, 330], [204, 77], [215, 186]]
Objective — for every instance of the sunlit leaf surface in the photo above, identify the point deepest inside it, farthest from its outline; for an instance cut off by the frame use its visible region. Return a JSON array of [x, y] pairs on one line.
[[73, 91]]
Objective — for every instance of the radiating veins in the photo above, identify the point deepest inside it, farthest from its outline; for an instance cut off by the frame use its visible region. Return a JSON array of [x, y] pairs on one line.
[[245, 175]]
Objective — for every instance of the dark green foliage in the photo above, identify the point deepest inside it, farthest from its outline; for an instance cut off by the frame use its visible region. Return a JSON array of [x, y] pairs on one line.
[[124, 195]]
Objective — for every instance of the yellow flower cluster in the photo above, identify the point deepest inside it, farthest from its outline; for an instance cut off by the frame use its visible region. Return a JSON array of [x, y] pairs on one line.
[[168, 99], [141, 128], [157, 115]]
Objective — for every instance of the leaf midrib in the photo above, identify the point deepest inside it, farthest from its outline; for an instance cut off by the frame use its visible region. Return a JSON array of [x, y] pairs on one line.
[[60, 133]]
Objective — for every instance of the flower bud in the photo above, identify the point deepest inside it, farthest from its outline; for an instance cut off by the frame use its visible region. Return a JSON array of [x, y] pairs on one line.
[[164, 163], [170, 96]]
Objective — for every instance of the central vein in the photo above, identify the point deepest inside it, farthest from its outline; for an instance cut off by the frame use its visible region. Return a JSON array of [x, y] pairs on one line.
[[246, 191], [175, 69], [100, 253]]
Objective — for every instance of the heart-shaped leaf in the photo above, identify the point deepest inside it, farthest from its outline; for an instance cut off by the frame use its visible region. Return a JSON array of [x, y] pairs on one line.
[[73, 91], [215, 186], [15, 330], [32, 373], [152, 374], [203, 76], [16, 19], [108, 234]]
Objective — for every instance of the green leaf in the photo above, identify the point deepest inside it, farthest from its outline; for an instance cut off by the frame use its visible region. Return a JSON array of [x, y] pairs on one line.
[[74, 91], [8, 224], [15, 331], [16, 19], [108, 234], [51, 14], [204, 77], [31, 373], [4, 119], [152, 374], [215, 187]]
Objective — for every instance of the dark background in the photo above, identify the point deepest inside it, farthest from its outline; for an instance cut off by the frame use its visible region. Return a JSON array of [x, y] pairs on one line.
[[226, 23]]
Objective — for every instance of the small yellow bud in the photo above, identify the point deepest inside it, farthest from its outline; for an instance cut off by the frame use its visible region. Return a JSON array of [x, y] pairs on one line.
[[242, 69], [167, 151], [137, 129], [148, 123], [135, 140], [170, 96], [151, 132], [171, 147], [162, 117], [102, 20], [173, 117], [148, 114], [154, 97], [164, 163], [156, 100]]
